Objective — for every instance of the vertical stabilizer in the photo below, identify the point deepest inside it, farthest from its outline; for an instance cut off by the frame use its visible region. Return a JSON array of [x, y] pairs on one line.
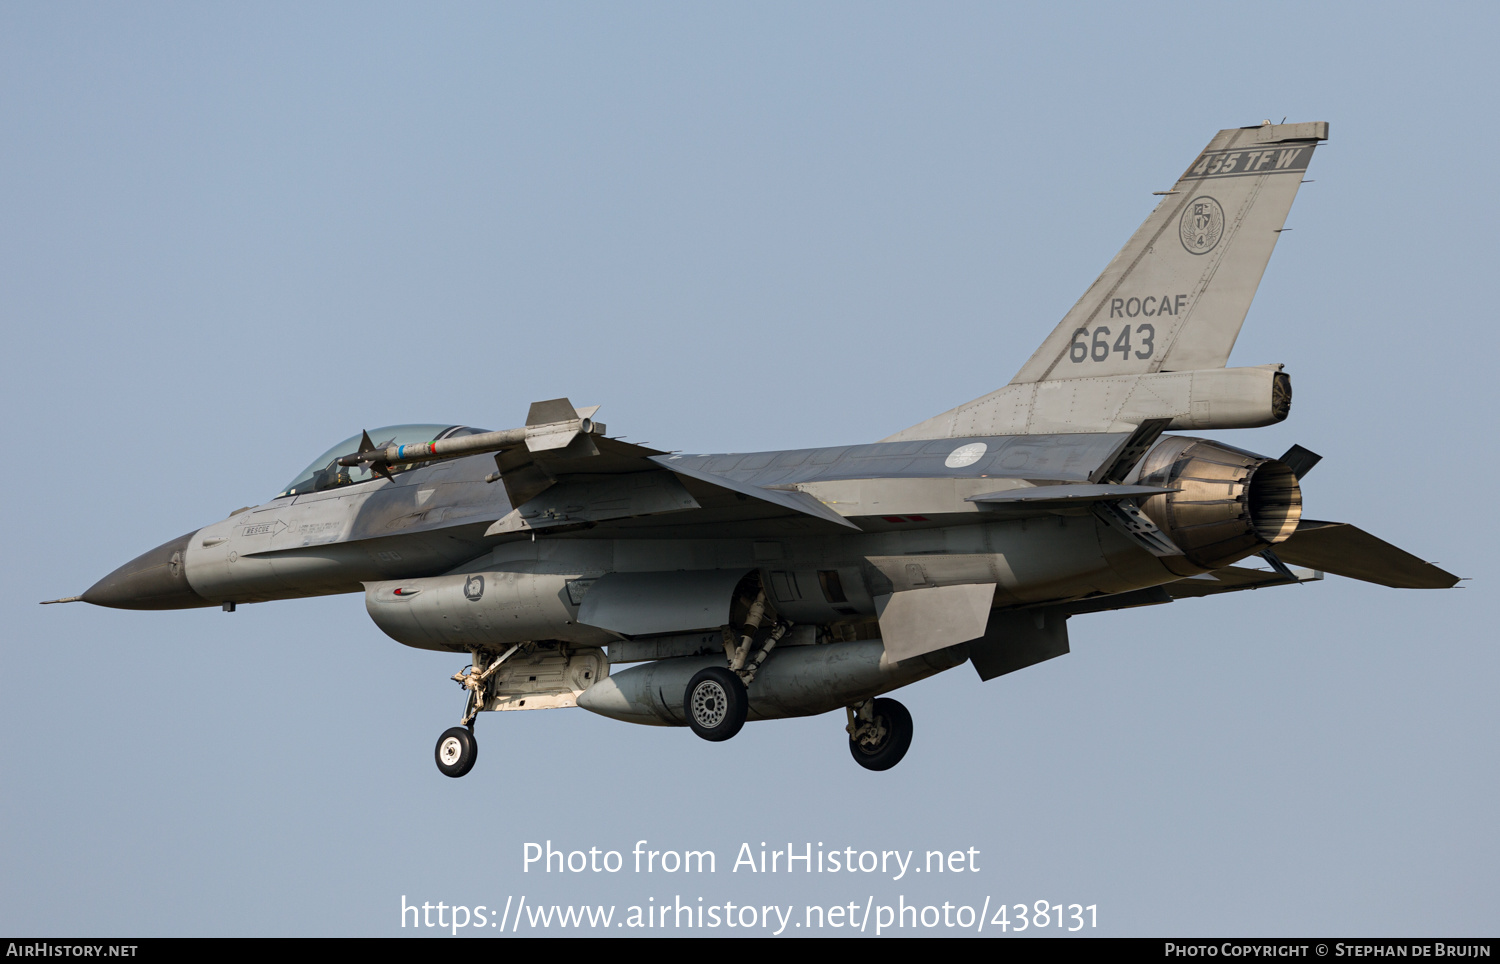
[[1175, 296], [1151, 336]]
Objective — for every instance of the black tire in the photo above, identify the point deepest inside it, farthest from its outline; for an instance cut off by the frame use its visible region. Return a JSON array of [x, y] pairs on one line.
[[456, 751], [889, 751], [716, 703]]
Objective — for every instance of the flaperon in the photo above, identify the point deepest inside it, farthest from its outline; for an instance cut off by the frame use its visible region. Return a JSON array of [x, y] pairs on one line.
[[777, 584]]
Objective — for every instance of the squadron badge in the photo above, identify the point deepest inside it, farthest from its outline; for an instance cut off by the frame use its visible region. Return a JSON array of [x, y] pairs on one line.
[[1202, 225], [474, 587]]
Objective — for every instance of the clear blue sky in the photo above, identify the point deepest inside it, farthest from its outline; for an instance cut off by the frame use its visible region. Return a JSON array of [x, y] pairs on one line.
[[234, 234]]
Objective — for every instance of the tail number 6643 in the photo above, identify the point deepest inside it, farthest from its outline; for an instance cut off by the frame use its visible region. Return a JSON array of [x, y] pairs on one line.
[[1097, 347]]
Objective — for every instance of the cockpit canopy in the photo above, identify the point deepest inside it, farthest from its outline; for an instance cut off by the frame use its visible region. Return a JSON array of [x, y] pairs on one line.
[[326, 473]]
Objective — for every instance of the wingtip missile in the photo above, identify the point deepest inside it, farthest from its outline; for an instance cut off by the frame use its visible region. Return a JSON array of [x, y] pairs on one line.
[[536, 437]]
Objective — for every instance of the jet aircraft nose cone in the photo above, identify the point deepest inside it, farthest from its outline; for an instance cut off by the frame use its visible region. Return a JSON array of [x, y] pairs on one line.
[[152, 580]]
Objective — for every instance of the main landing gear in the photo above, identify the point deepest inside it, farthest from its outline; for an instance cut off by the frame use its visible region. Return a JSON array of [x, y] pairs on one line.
[[880, 730], [717, 699], [717, 703], [879, 733]]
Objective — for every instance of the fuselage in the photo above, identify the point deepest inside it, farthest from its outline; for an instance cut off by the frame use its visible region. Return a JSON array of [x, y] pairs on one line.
[[915, 525]]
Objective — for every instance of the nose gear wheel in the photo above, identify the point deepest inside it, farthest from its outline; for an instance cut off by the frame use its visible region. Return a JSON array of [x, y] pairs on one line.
[[456, 751]]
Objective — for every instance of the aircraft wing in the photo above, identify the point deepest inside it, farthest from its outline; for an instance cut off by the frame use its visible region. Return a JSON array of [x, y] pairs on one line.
[[792, 499], [621, 480]]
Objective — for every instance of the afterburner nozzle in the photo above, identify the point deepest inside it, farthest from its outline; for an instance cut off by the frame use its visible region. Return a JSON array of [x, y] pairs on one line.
[[1228, 503]]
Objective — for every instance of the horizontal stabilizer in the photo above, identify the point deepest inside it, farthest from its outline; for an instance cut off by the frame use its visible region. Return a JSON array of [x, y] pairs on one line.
[[1345, 550]]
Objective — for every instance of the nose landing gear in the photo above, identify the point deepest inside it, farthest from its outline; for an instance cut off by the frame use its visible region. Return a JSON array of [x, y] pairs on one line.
[[456, 751], [457, 748]]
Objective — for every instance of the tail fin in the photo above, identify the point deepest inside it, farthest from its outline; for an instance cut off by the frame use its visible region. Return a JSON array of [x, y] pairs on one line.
[[1175, 296], [1172, 301]]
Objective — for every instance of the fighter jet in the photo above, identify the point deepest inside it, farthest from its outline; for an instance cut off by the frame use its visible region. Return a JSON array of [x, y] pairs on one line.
[[574, 568]]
